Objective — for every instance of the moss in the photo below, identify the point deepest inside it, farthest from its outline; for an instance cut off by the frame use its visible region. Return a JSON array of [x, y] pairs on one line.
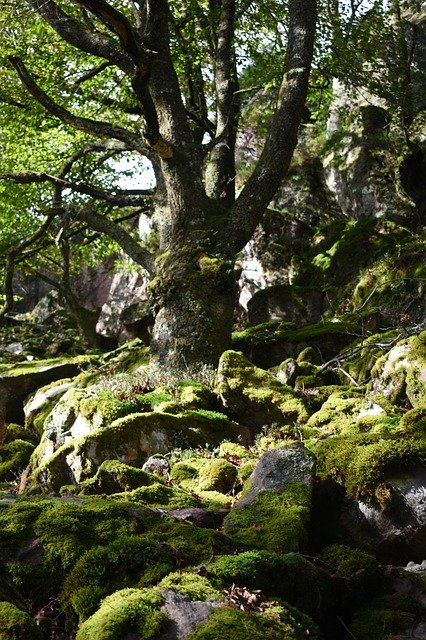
[[154, 398], [253, 394], [227, 622], [184, 473], [414, 422], [245, 470], [194, 395], [338, 414], [190, 585], [14, 457], [16, 624], [361, 462], [17, 432], [214, 500], [122, 563], [233, 451], [124, 612], [102, 410], [361, 568], [113, 477], [161, 496], [273, 521], [217, 475], [16, 370], [192, 545]]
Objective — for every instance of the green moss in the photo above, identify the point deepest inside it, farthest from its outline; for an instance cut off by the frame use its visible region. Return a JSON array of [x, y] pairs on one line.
[[14, 457], [16, 624], [126, 611], [190, 585], [233, 451], [122, 563], [192, 544], [194, 395], [154, 398], [247, 390], [184, 473], [161, 496], [16, 370], [414, 422], [113, 477], [361, 568], [339, 413], [273, 521], [227, 622], [217, 474], [102, 410], [361, 462], [17, 432]]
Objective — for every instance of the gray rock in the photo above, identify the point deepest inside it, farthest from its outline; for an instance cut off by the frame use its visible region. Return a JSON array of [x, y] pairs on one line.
[[158, 466], [280, 467], [185, 615]]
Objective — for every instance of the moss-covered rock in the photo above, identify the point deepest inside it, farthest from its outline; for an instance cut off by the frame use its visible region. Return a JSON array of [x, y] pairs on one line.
[[361, 568], [190, 585], [217, 475], [282, 623], [125, 562], [16, 624], [253, 396], [338, 414], [14, 457], [402, 372], [131, 439], [124, 612], [113, 477], [161, 496], [272, 521]]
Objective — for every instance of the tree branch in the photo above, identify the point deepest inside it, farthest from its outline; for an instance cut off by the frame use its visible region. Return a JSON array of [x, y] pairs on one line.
[[220, 172], [10, 263], [134, 199], [282, 138], [74, 33], [95, 221], [93, 127]]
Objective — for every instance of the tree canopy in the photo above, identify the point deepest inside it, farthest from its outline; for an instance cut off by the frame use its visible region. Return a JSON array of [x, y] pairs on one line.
[[95, 92]]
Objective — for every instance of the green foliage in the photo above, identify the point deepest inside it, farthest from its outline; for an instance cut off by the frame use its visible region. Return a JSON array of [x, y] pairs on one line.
[[113, 477]]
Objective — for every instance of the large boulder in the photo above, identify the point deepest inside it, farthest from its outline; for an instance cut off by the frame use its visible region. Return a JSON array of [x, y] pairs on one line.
[[400, 374], [254, 397], [275, 507], [131, 439]]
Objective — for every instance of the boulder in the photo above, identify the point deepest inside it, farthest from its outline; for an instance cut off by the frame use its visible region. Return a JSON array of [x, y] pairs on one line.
[[254, 397], [288, 303], [400, 374], [275, 507]]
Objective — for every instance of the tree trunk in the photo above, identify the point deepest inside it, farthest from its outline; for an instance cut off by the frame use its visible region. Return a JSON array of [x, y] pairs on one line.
[[195, 295]]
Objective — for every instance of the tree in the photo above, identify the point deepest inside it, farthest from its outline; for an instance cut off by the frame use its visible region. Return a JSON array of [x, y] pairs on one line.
[[175, 64]]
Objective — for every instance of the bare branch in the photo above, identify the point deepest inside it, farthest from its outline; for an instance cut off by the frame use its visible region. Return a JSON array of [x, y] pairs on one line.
[[10, 263]]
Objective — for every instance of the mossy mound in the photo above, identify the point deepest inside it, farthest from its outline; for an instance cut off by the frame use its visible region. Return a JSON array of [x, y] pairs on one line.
[[16, 624], [386, 617], [161, 496], [401, 373], [124, 612], [199, 474], [362, 462], [281, 623], [361, 568], [14, 457], [125, 562], [190, 585], [272, 521], [114, 477], [338, 414], [253, 396]]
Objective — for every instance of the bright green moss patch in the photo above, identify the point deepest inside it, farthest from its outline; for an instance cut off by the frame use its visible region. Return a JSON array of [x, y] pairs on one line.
[[273, 521], [190, 585], [227, 622], [16, 624], [113, 477], [14, 457], [217, 475], [192, 544], [104, 408], [124, 612], [362, 462], [160, 495], [122, 563]]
